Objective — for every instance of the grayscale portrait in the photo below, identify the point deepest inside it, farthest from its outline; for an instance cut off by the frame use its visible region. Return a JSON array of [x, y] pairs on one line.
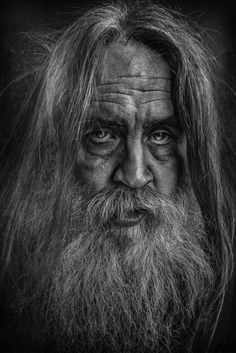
[[117, 181]]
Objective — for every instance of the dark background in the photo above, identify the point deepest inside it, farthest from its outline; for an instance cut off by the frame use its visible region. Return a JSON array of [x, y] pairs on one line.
[[219, 17]]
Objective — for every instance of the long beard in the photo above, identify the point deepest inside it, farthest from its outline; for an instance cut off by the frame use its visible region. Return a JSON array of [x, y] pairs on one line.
[[108, 287], [131, 288]]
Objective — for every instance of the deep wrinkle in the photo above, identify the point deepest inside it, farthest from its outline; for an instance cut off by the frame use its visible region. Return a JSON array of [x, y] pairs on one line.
[[118, 122]]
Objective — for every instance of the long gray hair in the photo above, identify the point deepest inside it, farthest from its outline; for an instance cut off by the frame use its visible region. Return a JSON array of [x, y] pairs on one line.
[[58, 102]]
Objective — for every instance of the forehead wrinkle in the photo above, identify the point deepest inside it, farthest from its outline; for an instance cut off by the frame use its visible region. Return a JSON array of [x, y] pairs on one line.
[[106, 113], [135, 84], [125, 78], [159, 109], [145, 77], [132, 93], [121, 111], [129, 98], [161, 99]]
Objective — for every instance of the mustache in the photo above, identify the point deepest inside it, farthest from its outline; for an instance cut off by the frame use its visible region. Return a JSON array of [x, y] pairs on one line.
[[119, 201]]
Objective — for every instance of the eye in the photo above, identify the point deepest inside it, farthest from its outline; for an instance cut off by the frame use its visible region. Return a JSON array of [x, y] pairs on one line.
[[100, 136], [160, 138]]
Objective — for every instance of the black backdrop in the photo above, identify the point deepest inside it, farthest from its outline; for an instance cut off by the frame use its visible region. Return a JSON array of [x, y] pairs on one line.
[[218, 16]]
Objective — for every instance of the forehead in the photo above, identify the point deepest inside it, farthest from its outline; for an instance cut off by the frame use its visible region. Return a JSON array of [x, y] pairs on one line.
[[126, 59], [134, 83]]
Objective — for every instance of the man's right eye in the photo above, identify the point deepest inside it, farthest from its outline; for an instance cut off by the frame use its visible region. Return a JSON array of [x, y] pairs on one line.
[[100, 142], [100, 136]]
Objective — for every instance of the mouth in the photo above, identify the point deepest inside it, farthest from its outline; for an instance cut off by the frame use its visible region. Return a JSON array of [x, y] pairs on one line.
[[131, 219]]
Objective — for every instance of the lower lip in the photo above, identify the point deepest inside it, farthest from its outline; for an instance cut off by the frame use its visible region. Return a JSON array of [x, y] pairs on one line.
[[132, 219]]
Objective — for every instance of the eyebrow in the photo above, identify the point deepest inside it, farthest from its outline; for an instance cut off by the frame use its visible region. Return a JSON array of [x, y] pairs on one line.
[[121, 123], [98, 121], [160, 121]]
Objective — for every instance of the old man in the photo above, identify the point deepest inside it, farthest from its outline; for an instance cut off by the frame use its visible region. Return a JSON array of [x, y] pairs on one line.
[[116, 213]]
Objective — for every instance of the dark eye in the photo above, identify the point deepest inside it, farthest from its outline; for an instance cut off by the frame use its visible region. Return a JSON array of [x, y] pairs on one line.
[[160, 138], [100, 136]]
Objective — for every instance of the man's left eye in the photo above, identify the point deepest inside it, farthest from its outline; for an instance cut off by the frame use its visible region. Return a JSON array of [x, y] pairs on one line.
[[101, 136], [161, 138]]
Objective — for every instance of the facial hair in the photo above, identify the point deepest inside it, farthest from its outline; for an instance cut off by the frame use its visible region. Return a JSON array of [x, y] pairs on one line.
[[100, 286], [125, 289]]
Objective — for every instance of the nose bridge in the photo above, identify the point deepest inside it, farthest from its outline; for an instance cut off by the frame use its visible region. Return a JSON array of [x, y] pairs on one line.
[[133, 170], [134, 167]]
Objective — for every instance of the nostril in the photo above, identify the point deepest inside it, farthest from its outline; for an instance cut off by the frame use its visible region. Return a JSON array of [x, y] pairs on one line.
[[132, 177], [133, 170]]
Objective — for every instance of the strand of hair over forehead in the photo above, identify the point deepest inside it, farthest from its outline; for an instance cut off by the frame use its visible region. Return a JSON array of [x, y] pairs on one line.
[[65, 85]]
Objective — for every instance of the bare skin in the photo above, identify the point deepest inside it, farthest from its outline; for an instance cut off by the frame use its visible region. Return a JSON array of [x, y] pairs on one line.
[[133, 137]]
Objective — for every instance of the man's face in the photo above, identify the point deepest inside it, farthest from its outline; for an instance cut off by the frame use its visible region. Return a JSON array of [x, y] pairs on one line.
[[133, 137]]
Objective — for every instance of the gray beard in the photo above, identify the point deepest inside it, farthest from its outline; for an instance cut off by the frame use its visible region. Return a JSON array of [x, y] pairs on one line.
[[137, 288], [104, 287]]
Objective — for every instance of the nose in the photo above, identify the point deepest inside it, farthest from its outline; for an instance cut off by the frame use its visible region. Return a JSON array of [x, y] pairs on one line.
[[133, 169]]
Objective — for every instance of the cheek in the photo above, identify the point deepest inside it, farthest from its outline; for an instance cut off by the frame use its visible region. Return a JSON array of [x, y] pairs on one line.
[[169, 173], [165, 177], [94, 171]]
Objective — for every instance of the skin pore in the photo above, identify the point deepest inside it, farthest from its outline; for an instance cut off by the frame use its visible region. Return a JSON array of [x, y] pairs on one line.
[[133, 136]]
